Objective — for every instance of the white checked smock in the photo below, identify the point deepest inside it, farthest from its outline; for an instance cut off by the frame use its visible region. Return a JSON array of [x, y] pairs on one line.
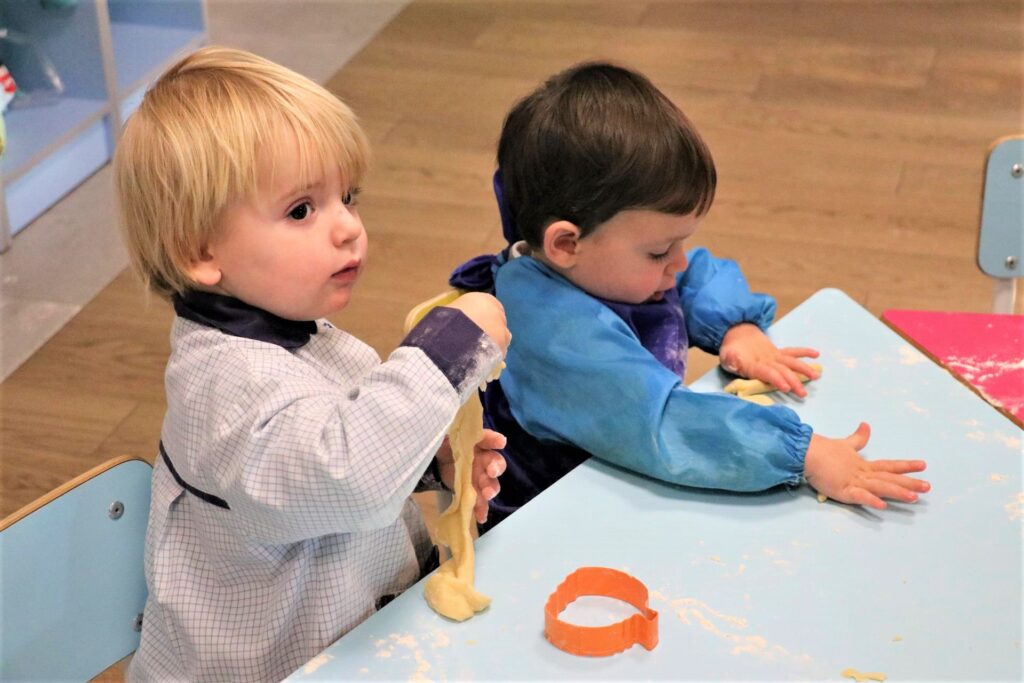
[[280, 513]]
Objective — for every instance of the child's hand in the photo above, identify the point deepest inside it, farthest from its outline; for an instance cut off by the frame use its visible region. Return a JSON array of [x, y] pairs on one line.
[[835, 468], [748, 352], [488, 314], [488, 465]]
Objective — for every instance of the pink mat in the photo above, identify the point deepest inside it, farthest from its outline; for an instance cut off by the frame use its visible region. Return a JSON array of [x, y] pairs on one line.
[[985, 350]]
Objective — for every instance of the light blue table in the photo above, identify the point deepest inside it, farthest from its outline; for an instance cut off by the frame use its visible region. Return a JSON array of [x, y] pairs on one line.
[[760, 586]]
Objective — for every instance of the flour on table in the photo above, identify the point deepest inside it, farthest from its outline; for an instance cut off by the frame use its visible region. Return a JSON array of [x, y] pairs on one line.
[[911, 356], [315, 663]]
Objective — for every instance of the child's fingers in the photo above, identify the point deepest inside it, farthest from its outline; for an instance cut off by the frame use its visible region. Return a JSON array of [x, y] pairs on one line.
[[487, 467], [480, 510], [898, 466], [489, 463], [486, 486], [859, 496], [887, 488], [772, 375], [799, 351], [491, 440], [794, 381], [486, 489], [919, 485], [799, 366], [496, 468]]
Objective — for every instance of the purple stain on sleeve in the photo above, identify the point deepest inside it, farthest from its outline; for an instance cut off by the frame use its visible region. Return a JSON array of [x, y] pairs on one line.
[[453, 343], [660, 327]]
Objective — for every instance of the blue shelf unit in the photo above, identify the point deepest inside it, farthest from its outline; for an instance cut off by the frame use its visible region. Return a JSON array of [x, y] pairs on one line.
[[105, 54], [54, 142], [147, 35]]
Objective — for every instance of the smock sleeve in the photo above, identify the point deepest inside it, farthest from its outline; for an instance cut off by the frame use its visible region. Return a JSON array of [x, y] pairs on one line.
[[715, 297], [576, 374], [295, 459]]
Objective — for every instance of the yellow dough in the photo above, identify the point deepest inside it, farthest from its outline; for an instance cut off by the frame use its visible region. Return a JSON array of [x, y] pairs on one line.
[[861, 676], [751, 389], [759, 399], [449, 590]]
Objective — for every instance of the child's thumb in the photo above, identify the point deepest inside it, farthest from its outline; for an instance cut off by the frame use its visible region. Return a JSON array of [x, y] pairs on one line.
[[859, 439]]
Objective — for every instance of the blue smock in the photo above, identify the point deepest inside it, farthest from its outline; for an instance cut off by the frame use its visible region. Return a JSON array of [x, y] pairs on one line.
[[579, 381]]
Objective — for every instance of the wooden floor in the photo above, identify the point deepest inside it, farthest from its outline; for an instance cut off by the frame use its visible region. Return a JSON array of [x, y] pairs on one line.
[[850, 139]]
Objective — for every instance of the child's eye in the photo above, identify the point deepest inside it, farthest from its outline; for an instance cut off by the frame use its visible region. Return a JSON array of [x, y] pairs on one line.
[[658, 257], [349, 198], [300, 211]]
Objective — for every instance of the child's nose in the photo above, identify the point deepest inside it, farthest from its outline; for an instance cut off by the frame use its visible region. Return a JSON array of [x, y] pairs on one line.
[[346, 227], [678, 264]]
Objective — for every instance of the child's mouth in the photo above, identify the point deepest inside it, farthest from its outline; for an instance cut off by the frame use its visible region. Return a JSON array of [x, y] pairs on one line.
[[347, 274]]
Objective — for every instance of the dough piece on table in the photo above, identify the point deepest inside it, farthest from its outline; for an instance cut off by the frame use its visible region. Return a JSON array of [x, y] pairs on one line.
[[751, 389], [747, 387]]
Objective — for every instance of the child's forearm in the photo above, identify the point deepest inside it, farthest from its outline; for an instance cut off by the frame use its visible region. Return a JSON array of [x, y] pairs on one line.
[[715, 297]]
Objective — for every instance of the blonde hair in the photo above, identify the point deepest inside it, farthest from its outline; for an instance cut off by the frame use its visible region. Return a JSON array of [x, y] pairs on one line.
[[196, 143]]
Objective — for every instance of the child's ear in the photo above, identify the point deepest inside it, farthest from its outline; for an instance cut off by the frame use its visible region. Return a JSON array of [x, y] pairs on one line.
[[561, 243], [205, 270]]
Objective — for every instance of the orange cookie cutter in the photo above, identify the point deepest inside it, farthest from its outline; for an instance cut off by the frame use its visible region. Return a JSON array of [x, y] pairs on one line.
[[600, 641]]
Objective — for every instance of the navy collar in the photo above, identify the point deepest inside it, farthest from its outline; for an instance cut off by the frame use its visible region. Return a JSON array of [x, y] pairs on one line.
[[239, 319]]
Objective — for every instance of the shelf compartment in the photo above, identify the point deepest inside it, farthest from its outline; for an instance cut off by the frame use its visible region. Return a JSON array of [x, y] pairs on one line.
[[141, 51], [47, 181], [35, 132], [130, 101]]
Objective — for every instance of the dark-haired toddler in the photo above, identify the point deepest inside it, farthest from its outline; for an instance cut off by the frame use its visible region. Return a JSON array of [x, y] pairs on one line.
[[601, 181]]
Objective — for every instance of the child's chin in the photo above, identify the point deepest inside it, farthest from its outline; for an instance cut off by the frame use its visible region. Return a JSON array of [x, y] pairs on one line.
[[326, 309]]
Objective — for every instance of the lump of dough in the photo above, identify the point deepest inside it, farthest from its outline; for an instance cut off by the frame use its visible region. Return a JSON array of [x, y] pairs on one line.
[[746, 388], [451, 596], [759, 399]]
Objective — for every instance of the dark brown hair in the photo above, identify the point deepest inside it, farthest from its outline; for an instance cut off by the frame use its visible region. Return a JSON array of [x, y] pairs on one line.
[[595, 140]]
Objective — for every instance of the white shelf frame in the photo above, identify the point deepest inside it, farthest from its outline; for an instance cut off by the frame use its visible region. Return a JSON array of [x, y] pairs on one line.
[[30, 184]]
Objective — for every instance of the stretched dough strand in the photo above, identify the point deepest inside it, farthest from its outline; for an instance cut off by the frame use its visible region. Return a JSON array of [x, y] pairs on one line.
[[449, 590]]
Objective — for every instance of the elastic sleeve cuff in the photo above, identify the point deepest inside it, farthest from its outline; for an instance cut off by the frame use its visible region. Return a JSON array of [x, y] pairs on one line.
[[796, 441], [459, 349], [761, 314], [759, 310]]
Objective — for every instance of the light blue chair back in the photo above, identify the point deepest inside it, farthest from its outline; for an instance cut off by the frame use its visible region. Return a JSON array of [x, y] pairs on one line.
[[1001, 236], [72, 587]]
